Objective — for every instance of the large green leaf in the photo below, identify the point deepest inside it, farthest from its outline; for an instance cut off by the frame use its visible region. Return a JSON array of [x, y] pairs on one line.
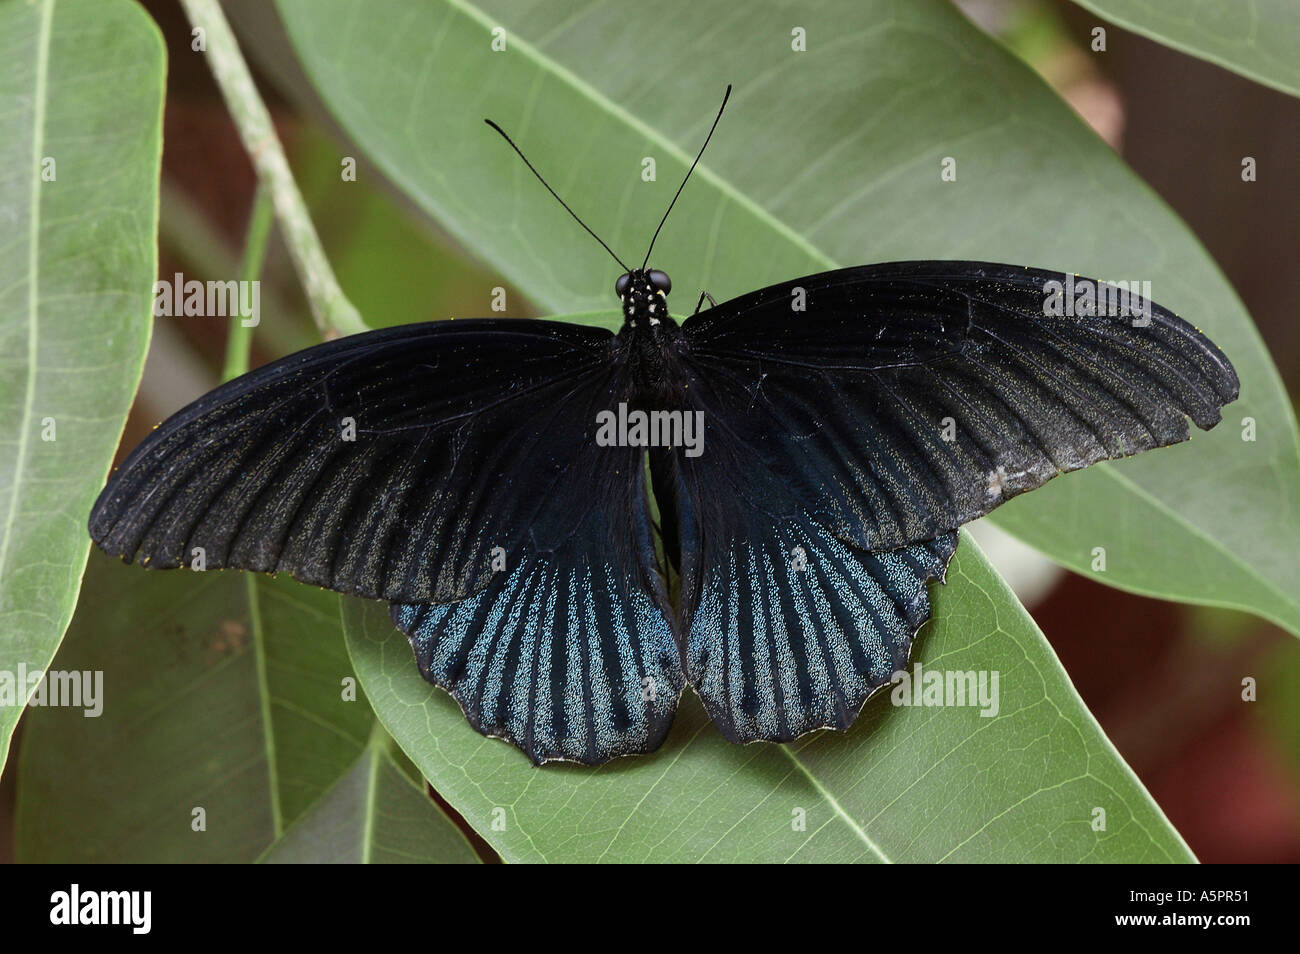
[[182, 727], [317, 716], [224, 691], [905, 784], [826, 157], [375, 814], [1256, 38], [81, 88]]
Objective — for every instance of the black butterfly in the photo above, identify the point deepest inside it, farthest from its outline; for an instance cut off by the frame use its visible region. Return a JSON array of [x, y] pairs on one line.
[[849, 423]]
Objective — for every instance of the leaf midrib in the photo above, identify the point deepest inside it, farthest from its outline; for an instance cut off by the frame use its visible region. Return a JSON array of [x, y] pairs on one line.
[[264, 701], [33, 264], [835, 805], [372, 755]]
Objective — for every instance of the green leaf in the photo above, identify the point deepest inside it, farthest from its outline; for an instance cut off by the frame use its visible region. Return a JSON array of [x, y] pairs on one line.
[[319, 719], [221, 691], [81, 84], [384, 256], [904, 784], [827, 157], [1278, 712], [1256, 38], [375, 814]]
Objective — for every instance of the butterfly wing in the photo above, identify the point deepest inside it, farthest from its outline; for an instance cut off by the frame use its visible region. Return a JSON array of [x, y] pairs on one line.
[[569, 654], [787, 628], [473, 480], [853, 420], [389, 465], [900, 401]]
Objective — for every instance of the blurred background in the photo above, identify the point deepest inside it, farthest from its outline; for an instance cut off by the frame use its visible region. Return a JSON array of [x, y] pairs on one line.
[[1227, 774]]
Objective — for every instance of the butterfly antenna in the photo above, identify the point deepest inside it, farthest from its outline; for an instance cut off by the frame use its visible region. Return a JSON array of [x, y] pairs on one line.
[[554, 193], [725, 97]]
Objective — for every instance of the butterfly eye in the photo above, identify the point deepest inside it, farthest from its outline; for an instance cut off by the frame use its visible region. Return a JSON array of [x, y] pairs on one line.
[[620, 286], [660, 280]]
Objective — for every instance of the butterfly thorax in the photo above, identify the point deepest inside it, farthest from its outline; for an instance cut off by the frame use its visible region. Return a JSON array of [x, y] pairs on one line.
[[647, 329]]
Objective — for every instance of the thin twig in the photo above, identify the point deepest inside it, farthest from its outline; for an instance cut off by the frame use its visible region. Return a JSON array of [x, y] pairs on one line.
[[239, 339], [334, 314]]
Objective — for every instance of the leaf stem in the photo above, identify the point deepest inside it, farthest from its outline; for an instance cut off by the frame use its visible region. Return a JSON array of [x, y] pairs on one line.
[[187, 232], [239, 339], [334, 314]]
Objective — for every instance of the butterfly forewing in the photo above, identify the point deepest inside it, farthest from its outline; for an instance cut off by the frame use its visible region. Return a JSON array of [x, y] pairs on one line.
[[901, 401], [390, 465]]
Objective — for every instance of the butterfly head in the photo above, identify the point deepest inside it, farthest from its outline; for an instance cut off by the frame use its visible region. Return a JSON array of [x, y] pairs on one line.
[[644, 294]]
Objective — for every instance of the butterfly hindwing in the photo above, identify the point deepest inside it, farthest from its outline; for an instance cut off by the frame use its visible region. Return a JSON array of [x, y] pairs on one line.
[[796, 629], [900, 401], [569, 654], [788, 628]]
